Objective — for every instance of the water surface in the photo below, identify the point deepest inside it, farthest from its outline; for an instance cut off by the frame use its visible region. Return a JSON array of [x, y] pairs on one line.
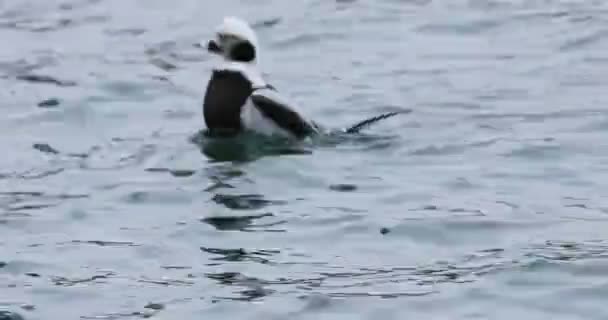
[[485, 202]]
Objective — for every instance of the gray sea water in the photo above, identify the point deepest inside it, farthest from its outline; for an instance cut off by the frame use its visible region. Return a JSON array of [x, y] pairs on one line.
[[487, 201]]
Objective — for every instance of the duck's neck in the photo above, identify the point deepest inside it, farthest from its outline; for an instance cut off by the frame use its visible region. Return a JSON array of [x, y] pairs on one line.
[[248, 69]]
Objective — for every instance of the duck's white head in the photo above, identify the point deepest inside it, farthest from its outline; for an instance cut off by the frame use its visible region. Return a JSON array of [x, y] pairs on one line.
[[235, 40]]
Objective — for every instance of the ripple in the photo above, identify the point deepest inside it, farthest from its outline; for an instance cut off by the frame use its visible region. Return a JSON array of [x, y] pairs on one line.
[[167, 282], [254, 286], [45, 148], [234, 255], [126, 32], [468, 27], [536, 152], [77, 4], [243, 223], [556, 250], [244, 201], [49, 103], [343, 187], [50, 25], [98, 158], [485, 201], [34, 78], [306, 39], [20, 204], [68, 282], [450, 149], [103, 243], [163, 64], [584, 42], [269, 23]]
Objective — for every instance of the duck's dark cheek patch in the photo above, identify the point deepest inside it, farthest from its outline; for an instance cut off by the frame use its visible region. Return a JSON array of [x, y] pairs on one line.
[[213, 47], [243, 51]]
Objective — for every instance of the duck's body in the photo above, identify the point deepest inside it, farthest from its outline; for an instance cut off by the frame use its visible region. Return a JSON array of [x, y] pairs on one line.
[[237, 99]]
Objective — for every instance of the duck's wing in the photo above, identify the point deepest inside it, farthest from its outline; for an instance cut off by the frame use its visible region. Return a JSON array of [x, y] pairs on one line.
[[279, 115]]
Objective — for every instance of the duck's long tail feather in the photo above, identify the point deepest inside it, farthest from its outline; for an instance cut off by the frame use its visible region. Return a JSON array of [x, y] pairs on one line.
[[356, 128]]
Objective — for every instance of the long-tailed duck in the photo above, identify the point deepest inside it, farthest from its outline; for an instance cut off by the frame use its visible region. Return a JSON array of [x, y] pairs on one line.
[[237, 97]]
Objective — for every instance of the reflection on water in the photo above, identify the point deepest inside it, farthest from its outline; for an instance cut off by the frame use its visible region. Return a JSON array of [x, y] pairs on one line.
[[249, 147], [254, 287], [244, 223], [240, 255], [246, 147], [244, 201]]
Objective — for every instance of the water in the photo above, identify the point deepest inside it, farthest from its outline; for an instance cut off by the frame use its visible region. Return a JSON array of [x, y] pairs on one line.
[[485, 202]]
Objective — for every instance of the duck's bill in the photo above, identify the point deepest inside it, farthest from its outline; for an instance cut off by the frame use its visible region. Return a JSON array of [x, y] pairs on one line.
[[213, 47]]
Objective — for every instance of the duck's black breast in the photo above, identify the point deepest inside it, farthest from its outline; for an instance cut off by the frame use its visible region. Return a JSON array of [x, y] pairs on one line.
[[227, 93]]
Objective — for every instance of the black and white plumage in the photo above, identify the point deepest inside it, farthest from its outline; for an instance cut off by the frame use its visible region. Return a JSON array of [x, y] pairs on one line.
[[238, 98]]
